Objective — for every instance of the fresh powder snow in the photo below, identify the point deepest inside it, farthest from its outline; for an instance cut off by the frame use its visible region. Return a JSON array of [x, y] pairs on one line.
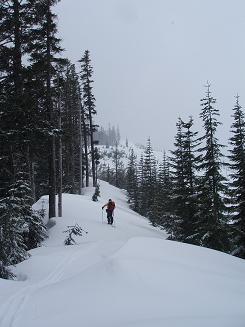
[[126, 275]]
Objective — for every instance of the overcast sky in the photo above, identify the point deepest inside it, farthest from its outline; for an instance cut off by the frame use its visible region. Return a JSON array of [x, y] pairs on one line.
[[152, 58]]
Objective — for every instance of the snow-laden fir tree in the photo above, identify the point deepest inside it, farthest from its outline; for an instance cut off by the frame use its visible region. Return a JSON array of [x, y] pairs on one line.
[[88, 102], [184, 182], [140, 177], [191, 161], [162, 200], [212, 211], [96, 193], [148, 181], [237, 185], [132, 184], [13, 112], [179, 193], [71, 130], [14, 217], [119, 171], [22, 228], [44, 49]]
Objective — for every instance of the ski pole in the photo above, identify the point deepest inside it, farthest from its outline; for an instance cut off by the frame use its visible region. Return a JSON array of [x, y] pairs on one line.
[[102, 216], [114, 222]]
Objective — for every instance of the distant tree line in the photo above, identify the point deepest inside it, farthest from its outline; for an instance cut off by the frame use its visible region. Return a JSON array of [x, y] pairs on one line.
[[109, 136], [114, 173], [47, 112], [187, 194]]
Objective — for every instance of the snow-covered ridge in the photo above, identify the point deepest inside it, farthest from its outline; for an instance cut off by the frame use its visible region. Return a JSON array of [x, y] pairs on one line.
[[123, 276]]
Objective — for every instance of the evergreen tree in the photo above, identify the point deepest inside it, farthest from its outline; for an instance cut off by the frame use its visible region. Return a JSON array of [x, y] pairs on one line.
[[118, 167], [148, 181], [96, 193], [71, 130], [44, 48], [184, 183], [191, 161], [13, 15], [237, 185], [178, 185], [162, 205], [140, 184], [132, 184], [212, 219], [89, 103], [14, 217]]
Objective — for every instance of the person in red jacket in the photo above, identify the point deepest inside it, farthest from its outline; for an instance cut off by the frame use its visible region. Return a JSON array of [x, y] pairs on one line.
[[110, 208]]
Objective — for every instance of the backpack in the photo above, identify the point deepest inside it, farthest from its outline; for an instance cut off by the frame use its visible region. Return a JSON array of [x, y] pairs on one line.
[[111, 206]]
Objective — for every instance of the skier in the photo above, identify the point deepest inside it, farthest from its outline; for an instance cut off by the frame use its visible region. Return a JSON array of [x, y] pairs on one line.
[[110, 208]]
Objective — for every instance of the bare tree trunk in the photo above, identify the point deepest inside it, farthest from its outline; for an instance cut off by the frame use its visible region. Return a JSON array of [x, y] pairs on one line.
[[52, 179], [17, 65], [85, 141], [81, 183], [60, 168], [30, 166], [52, 165], [92, 147], [116, 166]]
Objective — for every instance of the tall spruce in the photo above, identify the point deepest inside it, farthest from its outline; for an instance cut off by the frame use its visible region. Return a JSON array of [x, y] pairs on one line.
[[119, 171], [184, 195], [148, 182], [13, 139], [71, 126], [44, 48], [140, 179], [212, 215], [237, 185], [132, 184], [191, 161], [88, 100], [162, 204], [176, 225], [15, 215]]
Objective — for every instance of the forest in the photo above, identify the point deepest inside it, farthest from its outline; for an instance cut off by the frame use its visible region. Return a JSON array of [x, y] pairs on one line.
[[47, 124]]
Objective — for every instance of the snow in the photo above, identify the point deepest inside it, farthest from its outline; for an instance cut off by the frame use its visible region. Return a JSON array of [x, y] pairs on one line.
[[123, 276], [137, 149]]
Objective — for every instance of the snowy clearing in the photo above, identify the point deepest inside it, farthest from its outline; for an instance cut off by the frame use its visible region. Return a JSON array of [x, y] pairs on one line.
[[122, 276]]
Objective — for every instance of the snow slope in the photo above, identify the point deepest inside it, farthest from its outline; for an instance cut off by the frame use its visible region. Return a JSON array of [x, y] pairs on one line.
[[123, 276], [107, 154]]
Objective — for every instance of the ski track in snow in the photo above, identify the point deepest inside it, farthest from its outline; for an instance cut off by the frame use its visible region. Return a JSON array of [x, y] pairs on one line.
[[14, 306], [16, 303]]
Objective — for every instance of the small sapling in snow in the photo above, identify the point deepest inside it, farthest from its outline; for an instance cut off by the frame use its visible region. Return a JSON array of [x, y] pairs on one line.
[[96, 193], [75, 230]]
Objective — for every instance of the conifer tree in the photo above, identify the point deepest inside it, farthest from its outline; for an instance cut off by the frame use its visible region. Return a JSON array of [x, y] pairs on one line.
[[13, 15], [132, 185], [162, 204], [212, 218], [184, 182], [148, 181], [71, 127], [178, 185], [14, 217], [21, 227], [237, 185], [89, 103], [191, 161], [140, 177], [44, 48]]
